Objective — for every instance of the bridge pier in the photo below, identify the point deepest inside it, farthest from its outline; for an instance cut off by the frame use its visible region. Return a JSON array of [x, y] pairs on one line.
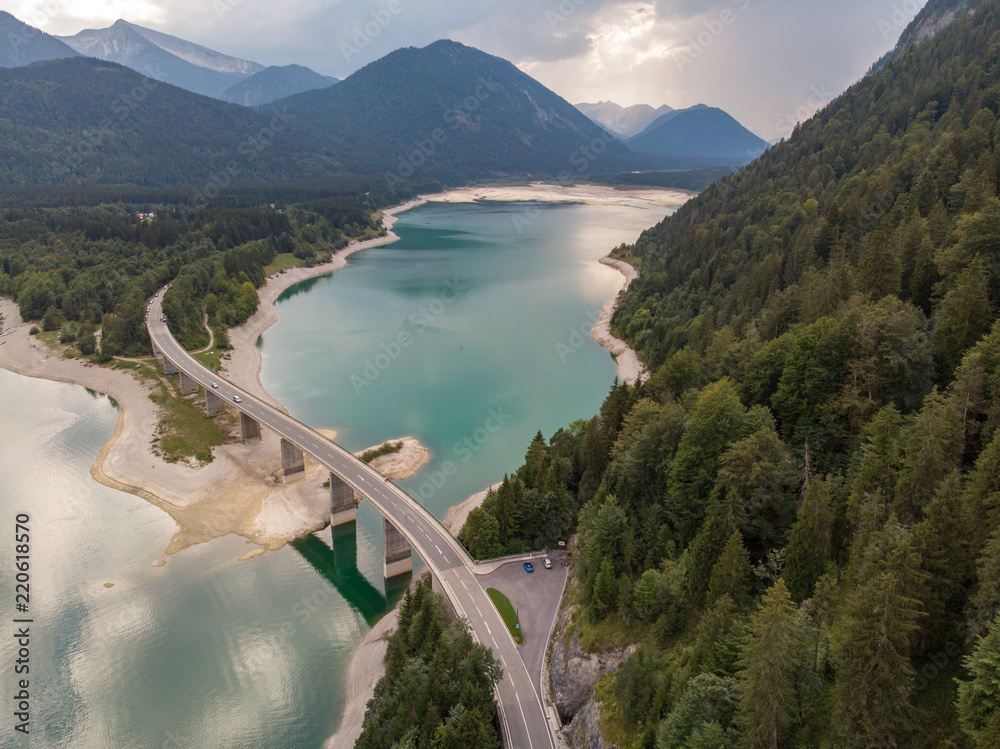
[[249, 428], [343, 508], [398, 553], [292, 459], [188, 384], [214, 405], [168, 366]]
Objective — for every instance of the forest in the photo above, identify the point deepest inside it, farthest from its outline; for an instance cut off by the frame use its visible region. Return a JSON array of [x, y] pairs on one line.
[[437, 690], [88, 268], [796, 518]]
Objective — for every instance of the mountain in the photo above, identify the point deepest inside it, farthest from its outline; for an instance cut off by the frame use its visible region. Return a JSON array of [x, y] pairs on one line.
[[455, 113], [164, 58], [86, 121], [21, 44], [275, 82], [623, 121], [702, 132]]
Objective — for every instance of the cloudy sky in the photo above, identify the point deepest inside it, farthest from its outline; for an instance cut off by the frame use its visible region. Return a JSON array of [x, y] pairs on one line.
[[767, 62]]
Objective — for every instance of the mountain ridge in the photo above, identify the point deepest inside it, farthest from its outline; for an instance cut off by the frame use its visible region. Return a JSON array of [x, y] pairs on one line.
[[21, 44]]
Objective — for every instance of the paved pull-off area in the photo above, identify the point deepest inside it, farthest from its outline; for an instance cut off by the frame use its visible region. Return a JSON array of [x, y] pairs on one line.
[[521, 710]]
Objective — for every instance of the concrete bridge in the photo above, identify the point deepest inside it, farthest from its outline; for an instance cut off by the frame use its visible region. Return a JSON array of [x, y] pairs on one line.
[[407, 526]]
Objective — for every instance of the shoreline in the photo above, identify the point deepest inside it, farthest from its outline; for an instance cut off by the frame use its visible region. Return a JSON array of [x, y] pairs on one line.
[[630, 369]]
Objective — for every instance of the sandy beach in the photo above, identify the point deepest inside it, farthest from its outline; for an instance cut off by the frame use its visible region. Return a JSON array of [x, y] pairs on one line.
[[630, 369]]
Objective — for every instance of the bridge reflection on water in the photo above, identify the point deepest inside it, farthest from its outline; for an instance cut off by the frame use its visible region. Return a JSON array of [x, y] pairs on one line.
[[338, 566]]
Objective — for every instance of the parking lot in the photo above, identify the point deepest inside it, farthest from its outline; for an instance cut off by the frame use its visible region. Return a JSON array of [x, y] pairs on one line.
[[536, 597]]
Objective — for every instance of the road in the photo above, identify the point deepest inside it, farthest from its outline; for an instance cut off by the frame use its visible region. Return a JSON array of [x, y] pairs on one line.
[[521, 712]]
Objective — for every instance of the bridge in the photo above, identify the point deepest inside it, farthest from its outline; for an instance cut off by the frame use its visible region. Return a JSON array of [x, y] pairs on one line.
[[407, 526]]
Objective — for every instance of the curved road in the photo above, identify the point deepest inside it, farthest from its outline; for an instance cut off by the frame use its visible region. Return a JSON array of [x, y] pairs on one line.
[[521, 711]]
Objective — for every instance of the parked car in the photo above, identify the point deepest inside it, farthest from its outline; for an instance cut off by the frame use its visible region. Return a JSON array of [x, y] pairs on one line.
[[548, 563], [528, 567]]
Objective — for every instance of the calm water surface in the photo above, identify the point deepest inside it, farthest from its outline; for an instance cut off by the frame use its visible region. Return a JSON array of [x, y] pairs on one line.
[[211, 652]]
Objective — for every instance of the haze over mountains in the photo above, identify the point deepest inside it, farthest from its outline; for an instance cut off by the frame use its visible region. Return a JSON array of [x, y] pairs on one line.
[[623, 121]]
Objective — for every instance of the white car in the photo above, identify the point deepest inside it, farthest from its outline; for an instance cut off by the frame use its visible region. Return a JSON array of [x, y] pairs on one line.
[[548, 563], [215, 385], [237, 399]]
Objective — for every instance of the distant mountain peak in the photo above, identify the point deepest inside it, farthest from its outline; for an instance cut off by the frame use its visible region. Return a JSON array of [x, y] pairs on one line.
[[164, 57], [623, 121]]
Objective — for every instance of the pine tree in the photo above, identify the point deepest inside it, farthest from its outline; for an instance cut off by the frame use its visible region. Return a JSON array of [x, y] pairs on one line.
[[879, 268], [606, 591], [941, 540], [963, 316], [770, 661], [732, 574], [932, 447], [985, 602], [979, 697], [808, 550], [716, 420], [875, 678], [724, 517]]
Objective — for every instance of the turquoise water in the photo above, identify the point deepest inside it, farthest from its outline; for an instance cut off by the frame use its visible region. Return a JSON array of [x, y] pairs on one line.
[[496, 302], [211, 652]]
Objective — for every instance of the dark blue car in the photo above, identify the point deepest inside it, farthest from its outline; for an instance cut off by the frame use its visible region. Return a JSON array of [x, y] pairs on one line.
[[528, 567]]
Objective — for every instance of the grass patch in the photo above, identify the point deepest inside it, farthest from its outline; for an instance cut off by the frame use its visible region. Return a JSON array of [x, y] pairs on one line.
[[387, 448], [284, 261], [507, 613], [211, 359], [609, 634], [185, 431]]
